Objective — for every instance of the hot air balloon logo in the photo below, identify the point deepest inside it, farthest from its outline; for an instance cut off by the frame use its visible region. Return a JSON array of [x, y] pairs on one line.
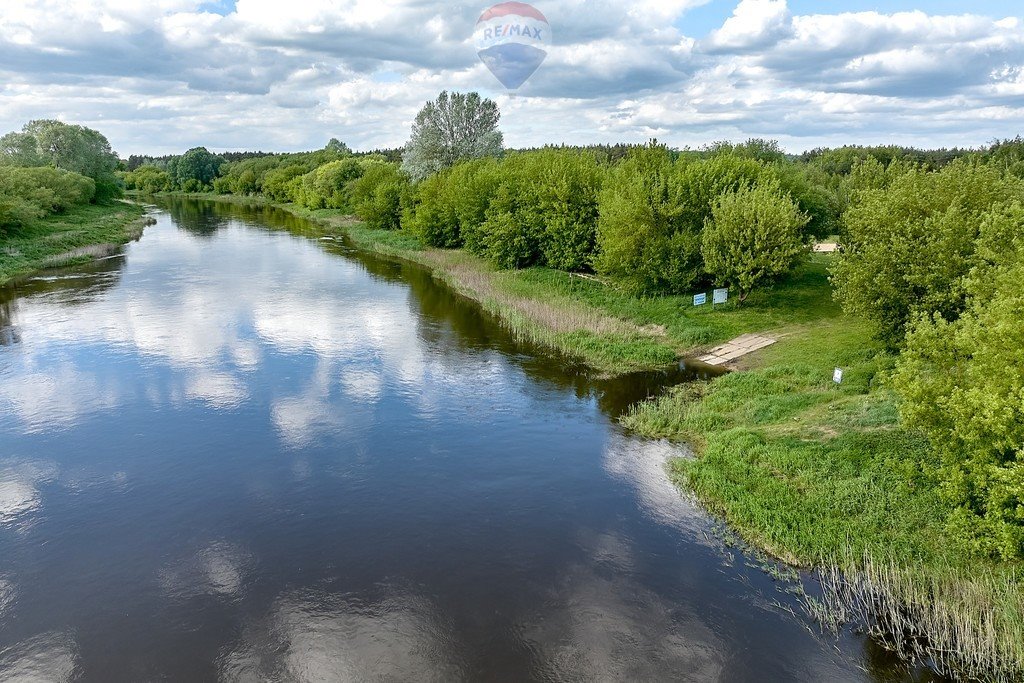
[[511, 38]]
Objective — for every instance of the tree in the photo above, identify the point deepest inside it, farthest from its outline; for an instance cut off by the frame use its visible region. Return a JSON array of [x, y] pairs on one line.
[[47, 142], [453, 127], [377, 196], [962, 382], [753, 237], [195, 169], [20, 149], [149, 180], [911, 240]]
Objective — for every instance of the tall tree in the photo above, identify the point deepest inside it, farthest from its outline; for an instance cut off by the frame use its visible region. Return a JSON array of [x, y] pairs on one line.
[[453, 127]]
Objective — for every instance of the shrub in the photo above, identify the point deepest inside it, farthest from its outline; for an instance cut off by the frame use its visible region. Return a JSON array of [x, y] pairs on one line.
[[962, 382], [377, 196], [149, 180], [29, 193], [911, 240]]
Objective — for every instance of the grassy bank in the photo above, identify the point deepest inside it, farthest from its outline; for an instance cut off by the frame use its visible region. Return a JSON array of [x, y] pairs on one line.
[[818, 474], [77, 235], [823, 475]]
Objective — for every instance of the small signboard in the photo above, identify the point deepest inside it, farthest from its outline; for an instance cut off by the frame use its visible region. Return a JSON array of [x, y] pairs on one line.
[[700, 299], [837, 376], [721, 296]]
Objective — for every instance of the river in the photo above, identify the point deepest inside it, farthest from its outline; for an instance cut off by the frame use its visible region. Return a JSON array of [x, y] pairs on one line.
[[234, 451]]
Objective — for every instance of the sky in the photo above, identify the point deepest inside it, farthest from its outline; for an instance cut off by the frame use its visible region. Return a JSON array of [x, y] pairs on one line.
[[162, 76]]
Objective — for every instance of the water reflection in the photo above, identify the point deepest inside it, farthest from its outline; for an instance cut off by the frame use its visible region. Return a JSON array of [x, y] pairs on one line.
[[19, 490], [612, 629], [642, 463], [46, 658], [218, 569], [316, 635]]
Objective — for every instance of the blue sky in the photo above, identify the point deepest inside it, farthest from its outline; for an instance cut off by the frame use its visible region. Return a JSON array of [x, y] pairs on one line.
[[165, 75]]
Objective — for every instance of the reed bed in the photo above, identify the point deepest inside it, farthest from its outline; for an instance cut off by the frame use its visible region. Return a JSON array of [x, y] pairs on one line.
[[963, 623]]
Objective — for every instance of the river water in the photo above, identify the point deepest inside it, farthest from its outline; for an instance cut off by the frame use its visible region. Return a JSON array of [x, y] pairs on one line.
[[237, 452]]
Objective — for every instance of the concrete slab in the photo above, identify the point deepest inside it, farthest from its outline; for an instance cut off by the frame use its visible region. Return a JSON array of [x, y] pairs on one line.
[[736, 349]]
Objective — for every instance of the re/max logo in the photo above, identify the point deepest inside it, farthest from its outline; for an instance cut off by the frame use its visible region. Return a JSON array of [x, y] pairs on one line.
[[512, 30]]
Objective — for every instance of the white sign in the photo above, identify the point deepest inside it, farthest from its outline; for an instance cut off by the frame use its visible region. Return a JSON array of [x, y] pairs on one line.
[[700, 299], [837, 376], [721, 296]]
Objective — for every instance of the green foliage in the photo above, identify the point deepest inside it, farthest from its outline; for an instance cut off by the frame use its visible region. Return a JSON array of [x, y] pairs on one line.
[[195, 170], [148, 180], [644, 242], [328, 186], [963, 383], [566, 186], [753, 237], [652, 213], [30, 193], [67, 147], [912, 238], [377, 196], [276, 183], [452, 128]]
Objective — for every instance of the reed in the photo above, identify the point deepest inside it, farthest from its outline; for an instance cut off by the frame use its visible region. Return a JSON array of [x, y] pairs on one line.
[[964, 623]]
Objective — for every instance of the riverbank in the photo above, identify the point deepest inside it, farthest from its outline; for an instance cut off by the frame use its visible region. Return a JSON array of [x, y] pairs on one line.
[[817, 473], [78, 235], [583, 319]]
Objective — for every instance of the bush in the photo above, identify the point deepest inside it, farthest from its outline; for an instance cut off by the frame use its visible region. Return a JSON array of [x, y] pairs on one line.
[[508, 242], [377, 196], [149, 180], [962, 382], [911, 239], [646, 242], [29, 193], [566, 186]]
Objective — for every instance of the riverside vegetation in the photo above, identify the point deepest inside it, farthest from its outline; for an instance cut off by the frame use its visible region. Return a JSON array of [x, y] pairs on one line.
[[903, 484], [57, 198]]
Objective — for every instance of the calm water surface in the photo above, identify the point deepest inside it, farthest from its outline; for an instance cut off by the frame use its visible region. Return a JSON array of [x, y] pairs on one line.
[[237, 452]]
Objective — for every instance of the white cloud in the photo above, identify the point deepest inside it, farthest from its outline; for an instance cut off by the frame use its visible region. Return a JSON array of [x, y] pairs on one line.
[[161, 77]]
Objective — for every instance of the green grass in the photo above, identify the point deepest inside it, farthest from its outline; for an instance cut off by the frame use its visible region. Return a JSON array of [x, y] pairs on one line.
[[77, 235]]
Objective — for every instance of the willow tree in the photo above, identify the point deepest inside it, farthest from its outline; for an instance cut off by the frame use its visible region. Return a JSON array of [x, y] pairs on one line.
[[452, 128]]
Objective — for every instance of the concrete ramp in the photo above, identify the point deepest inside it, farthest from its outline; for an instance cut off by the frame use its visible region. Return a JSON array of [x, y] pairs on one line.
[[737, 348]]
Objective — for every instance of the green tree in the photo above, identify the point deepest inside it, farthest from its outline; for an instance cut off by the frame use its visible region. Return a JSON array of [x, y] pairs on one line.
[[149, 180], [911, 239], [453, 127], [962, 382], [377, 196], [753, 237], [81, 150], [652, 212], [195, 169], [20, 149]]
